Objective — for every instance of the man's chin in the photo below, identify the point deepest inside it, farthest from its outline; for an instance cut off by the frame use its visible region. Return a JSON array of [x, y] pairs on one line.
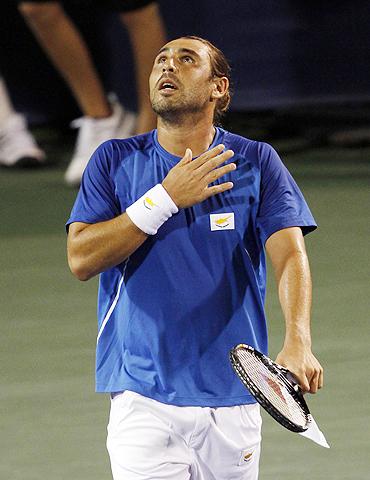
[[168, 111], [164, 105], [175, 111]]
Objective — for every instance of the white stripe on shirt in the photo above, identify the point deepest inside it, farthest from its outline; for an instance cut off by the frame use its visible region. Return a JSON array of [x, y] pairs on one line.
[[113, 306]]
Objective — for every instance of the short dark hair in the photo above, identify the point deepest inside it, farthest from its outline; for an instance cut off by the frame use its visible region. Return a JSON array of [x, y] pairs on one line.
[[220, 67]]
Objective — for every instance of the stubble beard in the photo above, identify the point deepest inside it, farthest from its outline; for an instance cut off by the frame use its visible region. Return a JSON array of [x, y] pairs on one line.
[[176, 112]]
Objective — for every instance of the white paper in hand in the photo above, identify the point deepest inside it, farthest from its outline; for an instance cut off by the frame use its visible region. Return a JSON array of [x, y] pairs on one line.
[[315, 434]]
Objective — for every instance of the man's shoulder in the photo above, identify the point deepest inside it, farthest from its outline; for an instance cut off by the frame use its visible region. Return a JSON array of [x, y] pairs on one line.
[[112, 153], [244, 145], [136, 143], [239, 142], [244, 148]]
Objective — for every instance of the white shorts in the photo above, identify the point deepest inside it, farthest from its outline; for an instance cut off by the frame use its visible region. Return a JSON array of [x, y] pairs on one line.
[[149, 440]]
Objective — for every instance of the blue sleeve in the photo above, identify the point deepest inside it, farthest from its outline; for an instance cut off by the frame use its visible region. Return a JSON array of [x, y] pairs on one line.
[[282, 204], [96, 200]]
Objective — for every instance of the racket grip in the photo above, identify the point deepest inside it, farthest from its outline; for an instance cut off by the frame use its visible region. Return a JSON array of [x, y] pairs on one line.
[[292, 379]]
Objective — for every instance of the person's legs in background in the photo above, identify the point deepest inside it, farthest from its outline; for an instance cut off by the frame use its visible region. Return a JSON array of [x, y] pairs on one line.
[[63, 43], [18, 148], [67, 49], [147, 36]]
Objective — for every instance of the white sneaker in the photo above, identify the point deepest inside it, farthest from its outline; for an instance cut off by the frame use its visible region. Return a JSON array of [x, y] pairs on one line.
[[18, 148], [92, 133]]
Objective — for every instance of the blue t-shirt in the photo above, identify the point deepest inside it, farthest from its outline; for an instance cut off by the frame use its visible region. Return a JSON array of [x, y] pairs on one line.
[[169, 314]]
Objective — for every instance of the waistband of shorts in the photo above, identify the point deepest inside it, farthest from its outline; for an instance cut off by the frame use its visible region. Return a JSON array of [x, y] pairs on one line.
[[115, 394]]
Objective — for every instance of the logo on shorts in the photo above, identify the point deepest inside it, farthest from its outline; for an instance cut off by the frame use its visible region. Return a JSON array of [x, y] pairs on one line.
[[149, 204], [222, 221], [248, 457]]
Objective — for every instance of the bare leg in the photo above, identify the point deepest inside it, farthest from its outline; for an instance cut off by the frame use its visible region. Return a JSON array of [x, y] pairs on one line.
[[67, 50], [147, 35], [6, 107]]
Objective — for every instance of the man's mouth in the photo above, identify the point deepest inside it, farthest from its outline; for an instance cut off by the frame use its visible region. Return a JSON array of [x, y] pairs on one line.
[[167, 85]]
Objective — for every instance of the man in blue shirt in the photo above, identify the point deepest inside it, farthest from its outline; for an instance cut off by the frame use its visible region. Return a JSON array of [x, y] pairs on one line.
[[176, 222]]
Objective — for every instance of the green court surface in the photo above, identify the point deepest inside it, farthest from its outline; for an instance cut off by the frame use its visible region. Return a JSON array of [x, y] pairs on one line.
[[53, 425]]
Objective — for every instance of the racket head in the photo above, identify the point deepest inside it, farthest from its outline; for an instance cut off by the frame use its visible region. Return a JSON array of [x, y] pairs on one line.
[[272, 386]]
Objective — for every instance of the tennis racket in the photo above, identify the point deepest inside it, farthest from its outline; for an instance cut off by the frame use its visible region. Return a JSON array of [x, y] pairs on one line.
[[273, 387]]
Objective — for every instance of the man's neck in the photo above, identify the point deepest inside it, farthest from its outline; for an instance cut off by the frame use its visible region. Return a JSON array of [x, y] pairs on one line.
[[195, 134]]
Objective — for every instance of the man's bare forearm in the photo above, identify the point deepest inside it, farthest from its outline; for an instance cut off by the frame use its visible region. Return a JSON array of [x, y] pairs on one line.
[[288, 255], [93, 248], [295, 295]]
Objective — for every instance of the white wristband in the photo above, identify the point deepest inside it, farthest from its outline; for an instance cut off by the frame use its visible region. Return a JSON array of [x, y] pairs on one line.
[[152, 209]]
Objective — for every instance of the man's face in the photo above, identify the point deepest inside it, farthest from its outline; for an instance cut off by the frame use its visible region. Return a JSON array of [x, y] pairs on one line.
[[180, 81]]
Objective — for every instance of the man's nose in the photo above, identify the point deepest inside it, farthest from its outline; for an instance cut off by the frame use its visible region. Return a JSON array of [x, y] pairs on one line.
[[169, 66]]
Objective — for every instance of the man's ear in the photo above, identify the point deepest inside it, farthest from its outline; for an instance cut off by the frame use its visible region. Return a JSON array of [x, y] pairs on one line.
[[220, 87]]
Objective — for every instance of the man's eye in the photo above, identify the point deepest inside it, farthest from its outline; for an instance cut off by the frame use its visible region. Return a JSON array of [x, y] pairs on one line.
[[187, 59], [161, 59]]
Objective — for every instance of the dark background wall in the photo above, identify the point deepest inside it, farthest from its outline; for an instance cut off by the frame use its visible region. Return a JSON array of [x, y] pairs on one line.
[[283, 53]]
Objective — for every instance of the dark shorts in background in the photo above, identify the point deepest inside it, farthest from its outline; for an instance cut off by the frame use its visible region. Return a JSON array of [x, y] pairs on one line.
[[115, 5]]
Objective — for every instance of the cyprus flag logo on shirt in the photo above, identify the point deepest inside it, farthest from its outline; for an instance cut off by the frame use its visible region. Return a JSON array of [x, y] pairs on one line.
[[222, 221]]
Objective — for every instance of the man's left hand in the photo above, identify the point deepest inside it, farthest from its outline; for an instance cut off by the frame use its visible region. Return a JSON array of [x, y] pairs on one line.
[[302, 363]]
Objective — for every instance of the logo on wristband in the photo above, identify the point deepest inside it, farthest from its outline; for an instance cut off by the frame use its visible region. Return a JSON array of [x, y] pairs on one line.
[[149, 204]]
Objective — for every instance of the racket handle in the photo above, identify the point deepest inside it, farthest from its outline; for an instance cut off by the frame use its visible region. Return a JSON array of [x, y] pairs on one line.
[[292, 379]]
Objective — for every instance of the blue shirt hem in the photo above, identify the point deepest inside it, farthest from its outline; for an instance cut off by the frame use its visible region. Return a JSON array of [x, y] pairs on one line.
[[185, 401]]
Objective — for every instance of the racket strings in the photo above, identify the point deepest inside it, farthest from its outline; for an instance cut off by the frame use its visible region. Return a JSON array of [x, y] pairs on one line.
[[273, 389]]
